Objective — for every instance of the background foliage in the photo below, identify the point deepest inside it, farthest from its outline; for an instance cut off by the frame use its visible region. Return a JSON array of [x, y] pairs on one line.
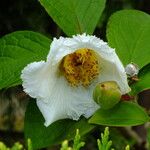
[[20, 16]]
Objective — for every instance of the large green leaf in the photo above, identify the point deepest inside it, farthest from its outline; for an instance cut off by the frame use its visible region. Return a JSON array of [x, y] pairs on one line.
[[42, 136], [16, 51], [128, 31], [123, 114], [75, 16], [144, 80]]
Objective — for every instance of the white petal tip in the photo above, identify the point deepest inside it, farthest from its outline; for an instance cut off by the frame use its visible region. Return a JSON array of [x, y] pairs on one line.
[[46, 124]]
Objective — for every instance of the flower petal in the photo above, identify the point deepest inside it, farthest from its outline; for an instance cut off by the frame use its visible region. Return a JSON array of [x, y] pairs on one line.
[[58, 49], [111, 67], [112, 70], [63, 46], [35, 76], [67, 102], [56, 99], [31, 78]]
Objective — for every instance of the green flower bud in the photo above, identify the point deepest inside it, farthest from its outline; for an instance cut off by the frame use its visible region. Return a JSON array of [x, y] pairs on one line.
[[107, 94]]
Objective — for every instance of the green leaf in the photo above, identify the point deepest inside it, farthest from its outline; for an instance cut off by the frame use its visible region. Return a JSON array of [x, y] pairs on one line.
[[42, 136], [16, 51], [104, 143], [148, 137], [77, 143], [143, 83], [123, 114], [128, 31], [75, 16]]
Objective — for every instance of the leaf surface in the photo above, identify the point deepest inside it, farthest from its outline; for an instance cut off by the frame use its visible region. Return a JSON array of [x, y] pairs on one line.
[[123, 114], [75, 16], [144, 80], [16, 51], [128, 31]]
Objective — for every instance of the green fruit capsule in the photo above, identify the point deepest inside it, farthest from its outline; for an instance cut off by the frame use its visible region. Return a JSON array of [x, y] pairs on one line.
[[107, 94]]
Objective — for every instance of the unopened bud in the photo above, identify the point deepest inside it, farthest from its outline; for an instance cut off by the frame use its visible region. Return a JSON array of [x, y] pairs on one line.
[[107, 94], [132, 70]]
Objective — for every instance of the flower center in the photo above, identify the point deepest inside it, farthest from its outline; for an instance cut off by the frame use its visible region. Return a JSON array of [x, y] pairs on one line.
[[80, 67]]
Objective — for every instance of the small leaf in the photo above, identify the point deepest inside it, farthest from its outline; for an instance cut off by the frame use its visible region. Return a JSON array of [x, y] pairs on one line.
[[75, 16], [16, 51], [104, 143], [143, 83], [29, 143], [123, 114], [128, 31], [65, 146], [42, 136], [127, 147], [77, 143], [148, 137]]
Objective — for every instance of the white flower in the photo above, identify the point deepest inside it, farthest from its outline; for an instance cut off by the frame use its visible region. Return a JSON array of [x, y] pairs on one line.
[[63, 85]]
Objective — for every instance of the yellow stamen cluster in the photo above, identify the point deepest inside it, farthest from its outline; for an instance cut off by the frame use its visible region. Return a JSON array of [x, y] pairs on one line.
[[80, 67]]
